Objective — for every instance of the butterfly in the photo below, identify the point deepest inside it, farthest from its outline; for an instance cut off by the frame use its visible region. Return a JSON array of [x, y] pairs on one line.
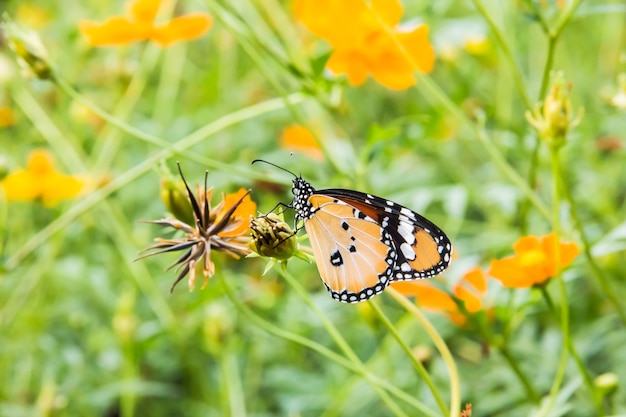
[[362, 243]]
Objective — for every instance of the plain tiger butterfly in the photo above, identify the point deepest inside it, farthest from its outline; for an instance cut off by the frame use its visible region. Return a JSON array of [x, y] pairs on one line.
[[362, 243]]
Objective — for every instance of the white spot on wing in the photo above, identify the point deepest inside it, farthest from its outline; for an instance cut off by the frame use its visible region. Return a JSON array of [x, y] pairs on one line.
[[407, 213], [406, 231], [407, 251]]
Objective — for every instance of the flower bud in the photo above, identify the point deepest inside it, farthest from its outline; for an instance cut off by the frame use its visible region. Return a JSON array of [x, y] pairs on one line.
[[554, 118], [30, 51], [174, 196], [606, 383], [272, 237]]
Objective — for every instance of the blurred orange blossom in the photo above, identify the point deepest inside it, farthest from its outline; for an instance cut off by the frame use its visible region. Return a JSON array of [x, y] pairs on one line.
[[40, 181], [366, 39], [139, 25], [299, 138], [535, 261], [470, 290]]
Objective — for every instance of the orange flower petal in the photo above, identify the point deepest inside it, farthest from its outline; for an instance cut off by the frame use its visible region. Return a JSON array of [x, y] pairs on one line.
[[476, 278], [21, 185], [240, 223], [183, 28], [56, 187], [510, 274], [417, 45], [144, 10], [7, 117], [389, 11], [428, 297], [567, 253], [40, 180], [526, 244], [300, 138], [117, 30], [472, 302], [534, 261], [348, 63], [340, 23]]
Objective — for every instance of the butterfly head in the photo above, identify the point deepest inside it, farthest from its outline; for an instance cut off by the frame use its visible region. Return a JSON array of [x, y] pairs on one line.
[[302, 190]]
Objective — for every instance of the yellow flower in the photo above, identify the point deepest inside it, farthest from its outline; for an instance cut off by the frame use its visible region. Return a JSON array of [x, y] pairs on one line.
[[299, 138], [7, 117], [33, 15], [139, 25], [366, 39], [223, 228], [40, 181], [535, 261]]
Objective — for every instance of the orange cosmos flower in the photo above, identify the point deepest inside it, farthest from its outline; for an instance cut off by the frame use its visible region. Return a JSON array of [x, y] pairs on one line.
[[299, 138], [535, 261], [366, 39], [139, 25], [224, 228], [40, 181], [470, 290]]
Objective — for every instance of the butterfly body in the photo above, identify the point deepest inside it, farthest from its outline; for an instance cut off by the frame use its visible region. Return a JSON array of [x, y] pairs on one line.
[[362, 243]]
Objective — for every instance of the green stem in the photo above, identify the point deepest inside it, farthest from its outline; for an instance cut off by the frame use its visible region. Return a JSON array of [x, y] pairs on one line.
[[416, 363], [486, 142], [142, 168], [596, 397], [426, 82], [322, 350], [500, 343], [508, 55], [530, 390], [440, 344], [340, 341], [560, 373], [597, 272]]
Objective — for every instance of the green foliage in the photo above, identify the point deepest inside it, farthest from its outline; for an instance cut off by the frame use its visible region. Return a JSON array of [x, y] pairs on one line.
[[85, 331]]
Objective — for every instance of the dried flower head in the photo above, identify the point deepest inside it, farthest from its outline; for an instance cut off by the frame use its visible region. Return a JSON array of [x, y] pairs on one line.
[[222, 228]]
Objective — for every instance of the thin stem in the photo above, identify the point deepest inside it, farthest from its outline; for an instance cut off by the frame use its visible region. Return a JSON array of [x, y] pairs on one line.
[[501, 345], [484, 139], [440, 344], [321, 349], [597, 272], [145, 166], [416, 363], [340, 340], [597, 399], [508, 55], [530, 390], [556, 226], [424, 81]]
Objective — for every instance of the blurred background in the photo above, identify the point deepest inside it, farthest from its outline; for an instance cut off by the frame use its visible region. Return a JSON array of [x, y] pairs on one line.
[[87, 331]]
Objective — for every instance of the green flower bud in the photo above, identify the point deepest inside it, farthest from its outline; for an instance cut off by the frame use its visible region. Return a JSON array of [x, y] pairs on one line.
[[553, 118], [607, 383], [174, 196], [272, 237]]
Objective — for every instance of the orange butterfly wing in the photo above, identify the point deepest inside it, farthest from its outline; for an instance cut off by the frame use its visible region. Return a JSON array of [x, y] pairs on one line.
[[354, 253], [423, 249]]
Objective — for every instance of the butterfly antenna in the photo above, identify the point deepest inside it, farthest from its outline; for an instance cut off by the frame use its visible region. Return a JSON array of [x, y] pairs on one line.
[[297, 162], [274, 165]]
